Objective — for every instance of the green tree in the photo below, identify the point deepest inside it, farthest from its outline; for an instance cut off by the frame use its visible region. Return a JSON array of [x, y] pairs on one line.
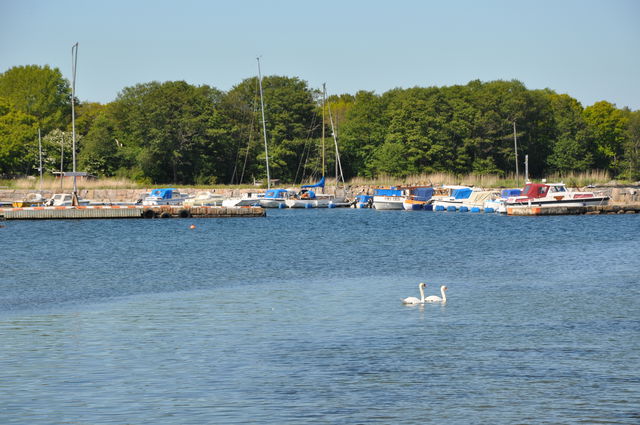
[[38, 91], [606, 127], [570, 151], [18, 140], [632, 147]]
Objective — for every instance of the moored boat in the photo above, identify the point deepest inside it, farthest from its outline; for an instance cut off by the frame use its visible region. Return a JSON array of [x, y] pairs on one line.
[[389, 198], [419, 198], [453, 201], [496, 203], [64, 200], [204, 199], [167, 196], [249, 199], [275, 198], [554, 194]]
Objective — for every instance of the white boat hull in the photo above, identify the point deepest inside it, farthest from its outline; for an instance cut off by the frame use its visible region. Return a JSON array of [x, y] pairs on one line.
[[388, 202]]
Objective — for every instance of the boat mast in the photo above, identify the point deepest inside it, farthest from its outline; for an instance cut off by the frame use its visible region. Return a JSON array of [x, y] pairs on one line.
[[335, 141], [74, 63], [40, 154], [515, 143], [264, 126], [324, 94]]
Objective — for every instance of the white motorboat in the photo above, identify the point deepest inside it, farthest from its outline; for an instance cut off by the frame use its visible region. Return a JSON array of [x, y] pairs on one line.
[[204, 199], [64, 200], [276, 198], [554, 194], [249, 199], [165, 197]]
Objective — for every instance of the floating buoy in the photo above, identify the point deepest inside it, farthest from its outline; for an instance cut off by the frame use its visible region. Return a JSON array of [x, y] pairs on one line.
[[464, 209], [475, 209], [308, 205], [489, 210], [331, 205], [282, 205], [451, 208], [193, 226], [439, 208]]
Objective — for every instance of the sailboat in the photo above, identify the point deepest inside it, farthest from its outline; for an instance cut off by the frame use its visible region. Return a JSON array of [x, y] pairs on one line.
[[254, 199], [307, 197]]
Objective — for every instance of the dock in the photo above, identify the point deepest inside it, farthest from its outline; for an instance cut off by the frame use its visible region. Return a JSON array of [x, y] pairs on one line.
[[127, 211], [574, 210]]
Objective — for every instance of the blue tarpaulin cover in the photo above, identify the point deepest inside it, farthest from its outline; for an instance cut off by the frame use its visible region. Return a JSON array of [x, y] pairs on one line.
[[422, 193], [387, 192], [461, 193], [319, 184], [162, 193], [510, 192], [275, 193]]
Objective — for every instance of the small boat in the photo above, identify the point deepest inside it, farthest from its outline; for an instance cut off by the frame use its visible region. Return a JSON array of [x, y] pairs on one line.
[[553, 195], [165, 197], [475, 201], [275, 198], [363, 201], [204, 199], [453, 202], [389, 198], [31, 200], [250, 199], [419, 199], [64, 200], [496, 203], [307, 198]]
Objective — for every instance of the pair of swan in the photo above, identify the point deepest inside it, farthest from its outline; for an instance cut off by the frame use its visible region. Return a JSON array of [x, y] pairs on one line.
[[429, 299]]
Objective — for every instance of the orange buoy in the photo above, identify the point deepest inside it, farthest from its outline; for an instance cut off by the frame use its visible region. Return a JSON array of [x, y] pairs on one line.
[[193, 226]]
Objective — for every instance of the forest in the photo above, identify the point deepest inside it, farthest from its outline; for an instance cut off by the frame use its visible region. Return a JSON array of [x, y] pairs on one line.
[[177, 133]]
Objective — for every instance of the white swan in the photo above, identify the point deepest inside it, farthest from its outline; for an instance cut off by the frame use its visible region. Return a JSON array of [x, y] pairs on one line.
[[414, 300], [437, 299]]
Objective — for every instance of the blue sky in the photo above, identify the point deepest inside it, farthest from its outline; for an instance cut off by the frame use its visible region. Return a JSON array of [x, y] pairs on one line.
[[588, 49]]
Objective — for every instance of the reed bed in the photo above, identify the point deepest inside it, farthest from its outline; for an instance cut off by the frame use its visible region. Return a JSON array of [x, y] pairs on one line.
[[595, 177]]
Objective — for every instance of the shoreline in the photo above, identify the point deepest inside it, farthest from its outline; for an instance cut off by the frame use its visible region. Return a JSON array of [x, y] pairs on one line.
[[622, 195]]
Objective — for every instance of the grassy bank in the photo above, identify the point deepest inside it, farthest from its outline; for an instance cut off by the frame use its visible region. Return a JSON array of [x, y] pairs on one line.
[[598, 178]]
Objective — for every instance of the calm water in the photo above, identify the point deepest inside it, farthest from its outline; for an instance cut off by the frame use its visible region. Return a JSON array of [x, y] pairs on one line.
[[296, 318]]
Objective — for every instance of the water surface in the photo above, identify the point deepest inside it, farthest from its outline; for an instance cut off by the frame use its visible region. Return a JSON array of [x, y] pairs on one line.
[[296, 318]]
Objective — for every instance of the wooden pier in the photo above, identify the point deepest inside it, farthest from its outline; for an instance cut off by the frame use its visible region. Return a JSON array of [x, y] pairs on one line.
[[576, 210], [127, 211]]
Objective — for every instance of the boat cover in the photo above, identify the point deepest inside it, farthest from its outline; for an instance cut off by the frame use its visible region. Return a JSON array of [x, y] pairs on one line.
[[506, 193], [163, 193], [462, 193], [275, 193], [387, 192], [319, 184], [422, 193]]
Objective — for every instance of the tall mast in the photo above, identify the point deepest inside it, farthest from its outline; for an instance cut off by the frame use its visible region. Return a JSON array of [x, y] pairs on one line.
[[515, 143], [324, 94], [40, 154], [264, 126], [74, 63]]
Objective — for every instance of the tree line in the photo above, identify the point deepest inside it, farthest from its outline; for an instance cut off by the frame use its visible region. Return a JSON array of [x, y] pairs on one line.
[[175, 132]]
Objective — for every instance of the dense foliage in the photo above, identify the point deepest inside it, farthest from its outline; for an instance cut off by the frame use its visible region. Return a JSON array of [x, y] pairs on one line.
[[174, 132]]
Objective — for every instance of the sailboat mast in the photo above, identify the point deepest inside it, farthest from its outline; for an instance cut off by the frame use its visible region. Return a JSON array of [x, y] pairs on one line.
[[324, 93], [74, 63], [264, 126]]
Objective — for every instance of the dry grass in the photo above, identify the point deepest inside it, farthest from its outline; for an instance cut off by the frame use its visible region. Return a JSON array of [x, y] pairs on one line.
[[487, 181]]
